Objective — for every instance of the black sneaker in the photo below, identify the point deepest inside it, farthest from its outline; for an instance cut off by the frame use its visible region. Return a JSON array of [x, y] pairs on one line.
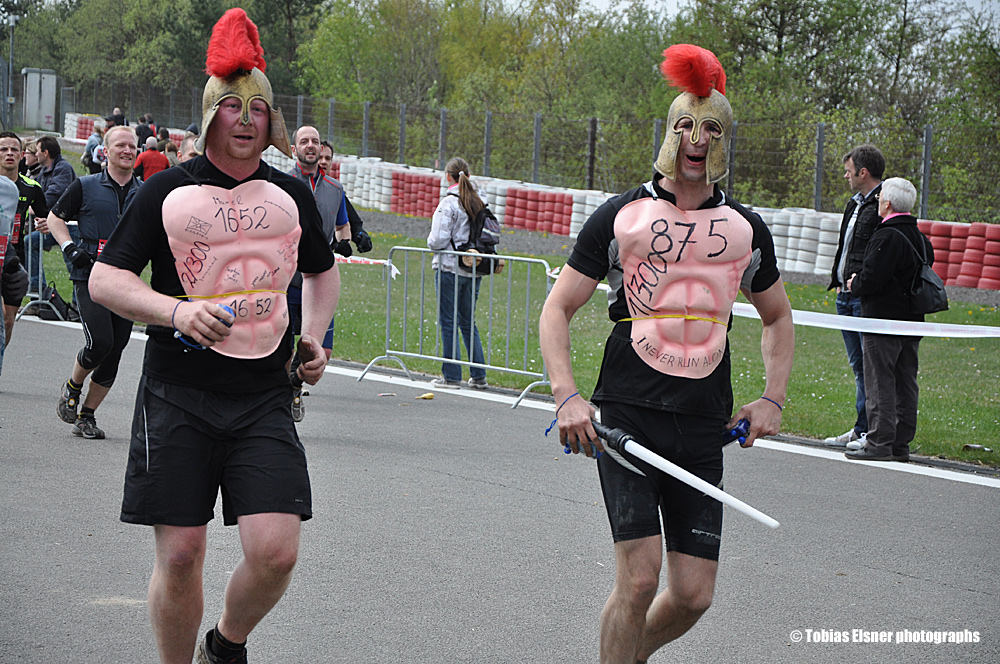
[[298, 406], [205, 655], [68, 404], [86, 426]]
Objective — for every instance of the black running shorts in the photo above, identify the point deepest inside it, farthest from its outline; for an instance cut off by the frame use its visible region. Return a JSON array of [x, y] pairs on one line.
[[692, 522], [187, 444]]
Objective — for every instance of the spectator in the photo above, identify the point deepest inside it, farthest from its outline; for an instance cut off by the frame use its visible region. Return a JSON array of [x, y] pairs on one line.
[[143, 131], [56, 176], [162, 138], [88, 158], [97, 202], [15, 281], [29, 162], [863, 169], [332, 203], [188, 149], [152, 161], [171, 153], [359, 235], [450, 227], [883, 285]]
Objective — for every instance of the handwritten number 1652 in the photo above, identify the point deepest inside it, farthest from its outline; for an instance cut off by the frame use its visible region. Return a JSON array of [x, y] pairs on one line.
[[243, 219]]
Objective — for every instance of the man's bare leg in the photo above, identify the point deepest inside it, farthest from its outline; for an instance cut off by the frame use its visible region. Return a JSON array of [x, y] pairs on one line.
[[176, 602], [95, 395], [623, 620], [689, 591], [270, 550]]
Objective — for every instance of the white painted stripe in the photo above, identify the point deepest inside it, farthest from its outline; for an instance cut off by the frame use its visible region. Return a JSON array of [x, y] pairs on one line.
[[913, 469]]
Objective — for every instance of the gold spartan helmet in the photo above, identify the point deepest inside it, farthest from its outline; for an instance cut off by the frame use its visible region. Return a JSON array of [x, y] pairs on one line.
[[246, 86], [714, 108]]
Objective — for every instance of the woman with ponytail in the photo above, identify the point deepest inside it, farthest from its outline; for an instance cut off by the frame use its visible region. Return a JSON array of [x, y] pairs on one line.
[[457, 293]]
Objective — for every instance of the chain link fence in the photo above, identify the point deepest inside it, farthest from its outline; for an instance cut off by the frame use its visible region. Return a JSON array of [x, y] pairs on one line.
[[771, 165]]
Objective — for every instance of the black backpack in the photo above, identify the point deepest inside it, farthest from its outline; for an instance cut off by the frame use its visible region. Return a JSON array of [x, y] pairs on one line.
[[484, 236]]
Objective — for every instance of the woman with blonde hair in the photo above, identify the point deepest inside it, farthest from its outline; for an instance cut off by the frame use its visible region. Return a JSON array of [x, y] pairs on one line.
[[457, 292]]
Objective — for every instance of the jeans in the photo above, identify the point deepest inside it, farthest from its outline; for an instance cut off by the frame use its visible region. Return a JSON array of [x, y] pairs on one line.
[[37, 270], [466, 295], [849, 305]]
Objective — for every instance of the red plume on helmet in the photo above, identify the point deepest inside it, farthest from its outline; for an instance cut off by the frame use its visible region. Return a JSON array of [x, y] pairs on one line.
[[693, 69], [235, 45]]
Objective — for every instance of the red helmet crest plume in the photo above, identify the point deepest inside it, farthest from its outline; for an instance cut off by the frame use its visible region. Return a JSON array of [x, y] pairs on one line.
[[693, 69], [234, 46]]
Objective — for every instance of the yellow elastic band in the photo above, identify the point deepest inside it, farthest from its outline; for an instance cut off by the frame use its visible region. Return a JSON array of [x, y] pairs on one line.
[[684, 316], [242, 292]]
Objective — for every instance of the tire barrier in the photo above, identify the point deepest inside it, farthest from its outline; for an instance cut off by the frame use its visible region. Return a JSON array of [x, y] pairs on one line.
[[506, 314], [805, 241], [79, 127]]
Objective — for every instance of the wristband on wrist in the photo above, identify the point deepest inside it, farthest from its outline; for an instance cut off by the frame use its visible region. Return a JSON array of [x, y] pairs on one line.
[[172, 324], [774, 402], [62, 247]]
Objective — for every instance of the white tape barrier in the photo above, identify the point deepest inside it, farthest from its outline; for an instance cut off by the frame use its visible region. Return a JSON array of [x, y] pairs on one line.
[[900, 328], [878, 325], [357, 260]]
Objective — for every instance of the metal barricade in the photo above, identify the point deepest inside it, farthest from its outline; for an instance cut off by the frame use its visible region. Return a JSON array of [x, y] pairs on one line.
[[506, 314]]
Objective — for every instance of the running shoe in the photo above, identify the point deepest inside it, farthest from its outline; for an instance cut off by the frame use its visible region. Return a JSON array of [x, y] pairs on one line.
[[843, 439], [68, 405], [86, 426], [442, 383], [478, 383], [205, 655], [298, 406]]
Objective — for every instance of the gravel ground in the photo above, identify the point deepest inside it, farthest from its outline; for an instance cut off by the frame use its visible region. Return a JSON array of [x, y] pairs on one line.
[[541, 244]]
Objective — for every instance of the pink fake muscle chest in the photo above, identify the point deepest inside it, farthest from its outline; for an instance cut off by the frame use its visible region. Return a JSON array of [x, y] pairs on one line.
[[682, 272], [237, 247]]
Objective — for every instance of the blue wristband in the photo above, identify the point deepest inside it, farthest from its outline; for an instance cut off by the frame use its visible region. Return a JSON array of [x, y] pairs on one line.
[[774, 402]]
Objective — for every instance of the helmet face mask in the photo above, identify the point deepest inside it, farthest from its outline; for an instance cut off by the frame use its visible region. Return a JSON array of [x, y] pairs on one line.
[[702, 112]]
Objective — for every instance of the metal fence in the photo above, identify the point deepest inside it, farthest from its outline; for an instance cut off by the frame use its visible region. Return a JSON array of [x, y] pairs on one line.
[[506, 314], [772, 165]]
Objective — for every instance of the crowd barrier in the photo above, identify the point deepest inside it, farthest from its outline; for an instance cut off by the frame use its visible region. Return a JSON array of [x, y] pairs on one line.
[[78, 128], [966, 255], [506, 314]]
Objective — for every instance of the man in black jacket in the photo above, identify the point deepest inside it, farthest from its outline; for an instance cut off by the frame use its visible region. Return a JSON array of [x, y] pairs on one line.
[[883, 284], [863, 169]]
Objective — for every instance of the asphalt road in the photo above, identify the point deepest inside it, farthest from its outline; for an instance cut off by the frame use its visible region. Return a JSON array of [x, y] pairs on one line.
[[451, 530]]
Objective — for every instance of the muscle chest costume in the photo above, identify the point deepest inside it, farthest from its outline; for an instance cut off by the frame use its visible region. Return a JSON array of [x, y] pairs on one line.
[[234, 243], [237, 247], [674, 276]]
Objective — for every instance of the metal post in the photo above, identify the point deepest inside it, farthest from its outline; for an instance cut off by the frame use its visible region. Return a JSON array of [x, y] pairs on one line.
[[443, 139], [170, 118], [112, 104], [657, 137], [818, 195], [364, 130], [150, 109], [925, 180], [299, 101], [591, 151], [731, 183], [11, 22], [538, 148], [195, 109], [402, 133], [487, 144], [329, 120]]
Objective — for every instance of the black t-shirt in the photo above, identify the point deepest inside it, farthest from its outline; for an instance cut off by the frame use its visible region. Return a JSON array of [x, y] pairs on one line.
[[140, 239], [625, 377]]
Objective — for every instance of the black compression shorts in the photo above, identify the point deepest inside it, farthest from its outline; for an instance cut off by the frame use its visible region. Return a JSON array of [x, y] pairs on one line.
[[187, 444], [692, 522]]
